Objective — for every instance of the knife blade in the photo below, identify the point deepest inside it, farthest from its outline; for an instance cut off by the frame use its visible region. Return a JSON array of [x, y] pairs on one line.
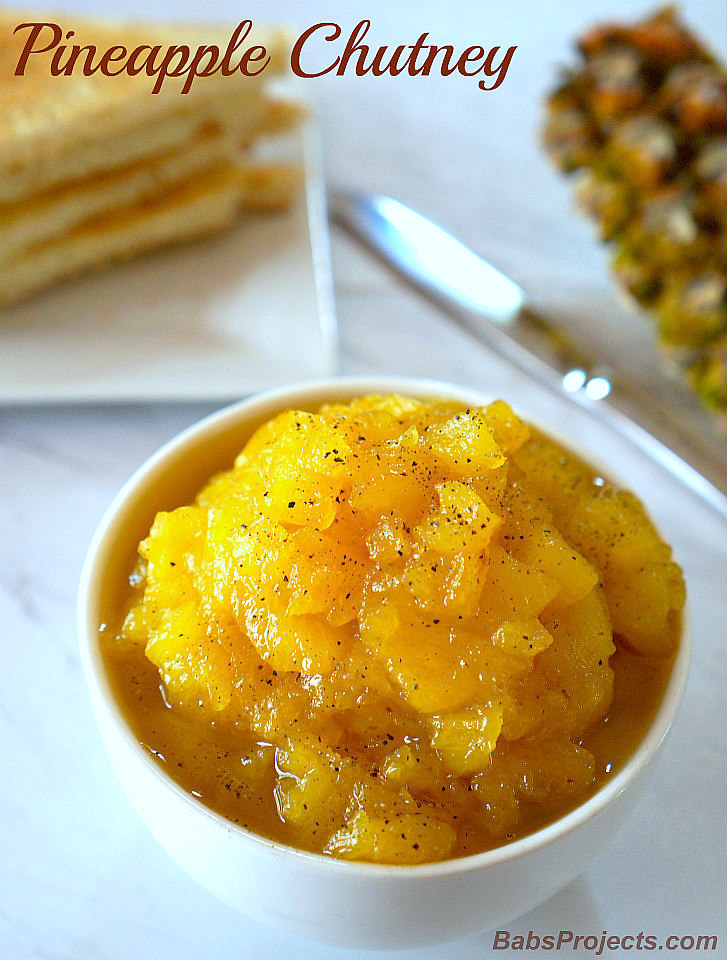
[[497, 311]]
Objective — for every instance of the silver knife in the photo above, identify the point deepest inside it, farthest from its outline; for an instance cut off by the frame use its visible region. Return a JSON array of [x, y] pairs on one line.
[[496, 310]]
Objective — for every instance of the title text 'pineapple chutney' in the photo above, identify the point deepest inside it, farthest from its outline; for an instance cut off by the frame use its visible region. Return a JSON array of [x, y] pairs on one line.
[[397, 631]]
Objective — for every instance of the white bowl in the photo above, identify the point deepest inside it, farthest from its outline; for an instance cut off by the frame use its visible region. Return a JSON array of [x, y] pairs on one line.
[[353, 904]]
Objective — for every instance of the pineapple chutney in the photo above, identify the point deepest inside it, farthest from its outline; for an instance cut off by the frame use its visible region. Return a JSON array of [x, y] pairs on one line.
[[397, 631]]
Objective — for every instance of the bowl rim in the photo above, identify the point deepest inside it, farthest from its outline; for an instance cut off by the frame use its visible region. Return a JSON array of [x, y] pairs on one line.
[[322, 391]]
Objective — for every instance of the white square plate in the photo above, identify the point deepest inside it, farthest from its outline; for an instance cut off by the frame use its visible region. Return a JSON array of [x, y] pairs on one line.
[[213, 320]]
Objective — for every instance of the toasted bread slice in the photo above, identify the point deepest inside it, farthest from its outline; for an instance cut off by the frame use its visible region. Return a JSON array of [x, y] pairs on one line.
[[29, 222], [174, 132], [102, 121], [202, 204]]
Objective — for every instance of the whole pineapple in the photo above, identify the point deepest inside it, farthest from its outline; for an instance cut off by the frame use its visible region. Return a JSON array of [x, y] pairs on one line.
[[643, 117]]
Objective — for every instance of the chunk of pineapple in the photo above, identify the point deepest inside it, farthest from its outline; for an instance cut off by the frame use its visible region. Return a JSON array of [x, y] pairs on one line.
[[465, 443], [326, 577], [514, 590], [310, 791], [452, 585], [462, 524], [524, 638], [428, 660], [196, 671], [466, 738], [302, 644], [420, 837], [535, 540], [509, 431], [414, 766], [173, 552]]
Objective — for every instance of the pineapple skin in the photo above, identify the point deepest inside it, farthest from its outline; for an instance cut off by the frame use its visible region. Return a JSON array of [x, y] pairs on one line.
[[642, 118]]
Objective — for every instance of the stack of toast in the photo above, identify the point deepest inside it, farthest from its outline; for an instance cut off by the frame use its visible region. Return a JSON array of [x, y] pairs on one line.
[[96, 169]]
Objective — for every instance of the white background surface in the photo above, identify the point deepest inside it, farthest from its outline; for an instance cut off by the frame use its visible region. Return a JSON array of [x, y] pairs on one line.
[[79, 875]]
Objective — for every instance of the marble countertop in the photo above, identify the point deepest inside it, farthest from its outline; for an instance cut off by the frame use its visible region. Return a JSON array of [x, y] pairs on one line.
[[81, 878]]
